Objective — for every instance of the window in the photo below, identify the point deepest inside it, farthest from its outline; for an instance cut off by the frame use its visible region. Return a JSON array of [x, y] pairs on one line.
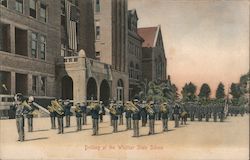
[[43, 14], [97, 54], [97, 5], [62, 7], [34, 45], [97, 30], [3, 2], [33, 8], [43, 85], [34, 84], [19, 6], [63, 49], [43, 47]]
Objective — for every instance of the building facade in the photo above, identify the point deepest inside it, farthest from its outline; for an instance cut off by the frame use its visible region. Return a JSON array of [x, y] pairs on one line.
[[40, 42], [134, 54], [154, 60]]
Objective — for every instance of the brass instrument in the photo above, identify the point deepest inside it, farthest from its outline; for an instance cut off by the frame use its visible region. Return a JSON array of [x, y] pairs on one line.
[[130, 106], [93, 105], [112, 110], [149, 109], [25, 104], [77, 108], [50, 109], [57, 107], [164, 108]]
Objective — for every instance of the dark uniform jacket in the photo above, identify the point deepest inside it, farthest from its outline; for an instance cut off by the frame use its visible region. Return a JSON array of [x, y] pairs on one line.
[[95, 112], [67, 110], [128, 114], [137, 114]]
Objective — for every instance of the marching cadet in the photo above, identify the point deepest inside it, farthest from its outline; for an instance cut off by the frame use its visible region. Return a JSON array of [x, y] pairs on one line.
[[102, 111], [143, 113], [95, 108], [21, 108], [128, 116], [30, 114], [215, 112], [120, 110], [207, 113], [136, 117], [183, 115], [52, 117], [164, 116], [78, 112], [176, 112], [157, 110], [221, 112], [151, 116], [83, 108], [114, 117], [111, 104], [67, 107], [60, 114]]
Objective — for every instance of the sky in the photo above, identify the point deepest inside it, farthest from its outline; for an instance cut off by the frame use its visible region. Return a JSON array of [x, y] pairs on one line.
[[205, 41]]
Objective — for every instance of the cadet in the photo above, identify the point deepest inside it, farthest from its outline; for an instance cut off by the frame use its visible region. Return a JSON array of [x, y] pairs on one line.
[[30, 114], [60, 114], [151, 116], [95, 108], [136, 117], [221, 112], [120, 110], [143, 114], [78, 112], [21, 109], [215, 113], [207, 112], [128, 116], [164, 116], [52, 117], [157, 110], [83, 108], [102, 111], [176, 112], [67, 107], [114, 117]]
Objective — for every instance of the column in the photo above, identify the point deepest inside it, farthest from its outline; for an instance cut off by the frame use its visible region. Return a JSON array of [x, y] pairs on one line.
[[13, 83], [12, 38]]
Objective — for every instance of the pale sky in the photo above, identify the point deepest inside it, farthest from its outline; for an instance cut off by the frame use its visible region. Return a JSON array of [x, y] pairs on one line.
[[204, 40]]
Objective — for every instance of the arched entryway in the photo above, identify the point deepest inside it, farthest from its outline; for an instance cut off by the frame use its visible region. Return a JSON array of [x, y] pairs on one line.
[[120, 90], [104, 92], [67, 88], [91, 89]]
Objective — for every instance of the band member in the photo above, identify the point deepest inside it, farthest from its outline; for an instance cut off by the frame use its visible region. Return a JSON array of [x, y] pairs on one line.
[[157, 111], [67, 107], [136, 117], [114, 117], [111, 104], [176, 115], [143, 113], [102, 111], [95, 108], [78, 112], [221, 112], [183, 116], [52, 116], [128, 116], [151, 116], [120, 110], [30, 114], [164, 116], [58, 105], [83, 108], [21, 108], [215, 113]]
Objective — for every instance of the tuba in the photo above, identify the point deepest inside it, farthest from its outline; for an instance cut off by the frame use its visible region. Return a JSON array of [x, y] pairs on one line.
[[112, 109], [164, 108], [57, 107], [77, 109], [25, 104], [149, 109], [130, 106]]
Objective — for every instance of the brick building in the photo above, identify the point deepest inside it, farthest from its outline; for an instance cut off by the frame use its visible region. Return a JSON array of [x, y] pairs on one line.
[[154, 60]]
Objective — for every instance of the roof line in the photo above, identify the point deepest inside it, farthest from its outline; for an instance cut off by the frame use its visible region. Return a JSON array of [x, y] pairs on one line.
[[156, 35]]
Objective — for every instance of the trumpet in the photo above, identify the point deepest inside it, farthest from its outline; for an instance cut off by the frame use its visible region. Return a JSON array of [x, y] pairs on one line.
[[149, 109], [57, 107], [25, 104], [130, 106]]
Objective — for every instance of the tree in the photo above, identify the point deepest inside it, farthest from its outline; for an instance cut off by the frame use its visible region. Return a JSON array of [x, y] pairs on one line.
[[188, 92], [205, 91], [220, 91], [236, 91]]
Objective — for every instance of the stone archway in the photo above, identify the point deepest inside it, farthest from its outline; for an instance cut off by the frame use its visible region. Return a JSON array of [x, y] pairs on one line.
[[67, 88], [105, 92], [91, 89]]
